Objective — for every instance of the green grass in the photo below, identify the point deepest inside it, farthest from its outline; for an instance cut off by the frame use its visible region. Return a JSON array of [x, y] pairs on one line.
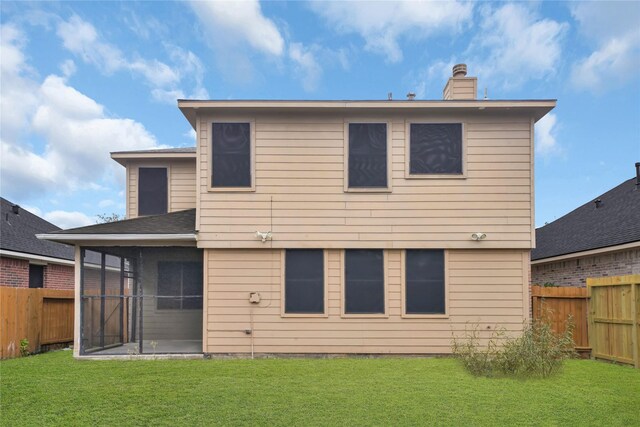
[[54, 388]]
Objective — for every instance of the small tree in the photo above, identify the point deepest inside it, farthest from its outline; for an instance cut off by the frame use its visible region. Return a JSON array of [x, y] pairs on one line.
[[113, 217]]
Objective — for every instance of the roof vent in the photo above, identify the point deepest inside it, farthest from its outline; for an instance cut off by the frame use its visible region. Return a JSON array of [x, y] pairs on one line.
[[15, 209], [598, 203], [460, 70], [637, 174], [411, 96]]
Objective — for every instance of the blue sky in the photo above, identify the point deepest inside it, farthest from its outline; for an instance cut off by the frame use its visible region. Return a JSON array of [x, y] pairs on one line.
[[80, 79]]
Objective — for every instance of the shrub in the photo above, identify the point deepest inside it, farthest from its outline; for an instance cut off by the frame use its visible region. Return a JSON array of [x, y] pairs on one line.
[[24, 347], [537, 352]]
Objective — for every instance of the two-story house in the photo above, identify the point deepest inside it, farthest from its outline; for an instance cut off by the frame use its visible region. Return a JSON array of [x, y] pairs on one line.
[[318, 227]]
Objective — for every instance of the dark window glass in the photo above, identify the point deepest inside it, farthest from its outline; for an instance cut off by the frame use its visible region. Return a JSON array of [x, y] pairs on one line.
[[364, 281], [152, 191], [424, 271], [36, 276], [436, 148], [231, 150], [179, 285], [304, 281], [367, 155]]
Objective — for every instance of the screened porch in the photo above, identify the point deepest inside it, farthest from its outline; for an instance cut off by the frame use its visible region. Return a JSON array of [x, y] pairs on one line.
[[141, 300]]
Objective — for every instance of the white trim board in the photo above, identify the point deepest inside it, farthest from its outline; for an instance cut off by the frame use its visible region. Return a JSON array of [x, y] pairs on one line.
[[22, 255]]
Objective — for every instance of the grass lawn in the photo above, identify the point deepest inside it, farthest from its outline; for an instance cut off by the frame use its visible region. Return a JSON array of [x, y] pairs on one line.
[[54, 388]]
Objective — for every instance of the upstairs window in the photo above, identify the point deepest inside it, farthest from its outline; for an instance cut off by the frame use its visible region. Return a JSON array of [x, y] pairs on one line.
[[152, 191], [424, 281], [435, 149], [304, 281], [179, 285], [368, 162], [364, 281], [231, 155]]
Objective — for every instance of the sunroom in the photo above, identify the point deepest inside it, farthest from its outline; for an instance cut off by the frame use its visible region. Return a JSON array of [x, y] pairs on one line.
[[139, 286]]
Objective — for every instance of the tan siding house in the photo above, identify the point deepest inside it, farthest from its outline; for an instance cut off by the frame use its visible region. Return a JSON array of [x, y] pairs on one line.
[[327, 227]]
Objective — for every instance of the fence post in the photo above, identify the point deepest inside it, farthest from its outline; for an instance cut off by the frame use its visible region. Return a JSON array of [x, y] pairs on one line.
[[634, 319]]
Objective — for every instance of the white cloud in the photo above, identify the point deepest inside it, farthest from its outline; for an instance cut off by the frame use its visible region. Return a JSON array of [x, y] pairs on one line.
[[68, 68], [77, 131], [66, 219], [382, 24], [545, 135], [81, 38], [191, 135], [614, 28], [17, 91], [106, 203], [514, 45], [306, 65], [239, 21]]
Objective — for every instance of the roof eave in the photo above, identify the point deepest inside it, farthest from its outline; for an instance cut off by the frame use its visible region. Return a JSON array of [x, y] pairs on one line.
[[537, 108], [123, 156], [71, 238]]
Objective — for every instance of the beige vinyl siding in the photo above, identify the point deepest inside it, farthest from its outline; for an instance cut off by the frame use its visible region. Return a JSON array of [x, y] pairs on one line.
[[182, 183], [300, 189], [461, 88], [485, 287]]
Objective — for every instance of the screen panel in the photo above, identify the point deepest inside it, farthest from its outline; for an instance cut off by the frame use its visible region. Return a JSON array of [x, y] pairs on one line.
[[367, 155], [424, 287], [435, 148], [304, 281], [169, 285], [231, 155], [364, 281], [192, 285], [152, 191]]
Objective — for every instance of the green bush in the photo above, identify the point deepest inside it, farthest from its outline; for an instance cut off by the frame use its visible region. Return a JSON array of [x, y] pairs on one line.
[[537, 352], [24, 347]]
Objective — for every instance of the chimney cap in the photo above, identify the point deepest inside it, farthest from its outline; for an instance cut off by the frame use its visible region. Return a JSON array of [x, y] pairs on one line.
[[460, 70], [411, 96]]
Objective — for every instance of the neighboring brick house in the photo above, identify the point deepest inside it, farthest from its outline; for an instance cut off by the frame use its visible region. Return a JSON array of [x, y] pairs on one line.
[[600, 238], [26, 261]]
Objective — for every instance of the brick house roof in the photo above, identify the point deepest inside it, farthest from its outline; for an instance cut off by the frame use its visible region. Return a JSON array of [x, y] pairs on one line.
[[614, 220], [18, 233]]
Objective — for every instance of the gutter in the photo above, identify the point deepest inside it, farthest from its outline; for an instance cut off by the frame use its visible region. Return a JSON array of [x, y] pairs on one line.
[[23, 255], [116, 237]]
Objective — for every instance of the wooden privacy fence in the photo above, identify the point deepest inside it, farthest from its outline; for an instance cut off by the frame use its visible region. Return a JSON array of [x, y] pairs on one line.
[[557, 305], [42, 316], [614, 318]]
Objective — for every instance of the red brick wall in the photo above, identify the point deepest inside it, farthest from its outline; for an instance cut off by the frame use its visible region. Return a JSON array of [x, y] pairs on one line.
[[58, 276], [574, 272], [15, 273]]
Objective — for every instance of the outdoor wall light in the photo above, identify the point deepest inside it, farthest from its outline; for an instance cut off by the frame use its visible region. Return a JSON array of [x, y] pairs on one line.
[[478, 236]]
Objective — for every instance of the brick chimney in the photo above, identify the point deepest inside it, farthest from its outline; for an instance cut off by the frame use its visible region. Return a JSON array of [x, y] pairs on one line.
[[460, 86]]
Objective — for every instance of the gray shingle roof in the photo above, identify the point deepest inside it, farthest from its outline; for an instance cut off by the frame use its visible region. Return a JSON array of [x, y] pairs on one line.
[[18, 233], [181, 222], [616, 221]]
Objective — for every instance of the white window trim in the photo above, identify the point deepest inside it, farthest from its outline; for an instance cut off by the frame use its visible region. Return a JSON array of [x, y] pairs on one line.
[[283, 287], [389, 187], [403, 291], [407, 150], [252, 155]]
